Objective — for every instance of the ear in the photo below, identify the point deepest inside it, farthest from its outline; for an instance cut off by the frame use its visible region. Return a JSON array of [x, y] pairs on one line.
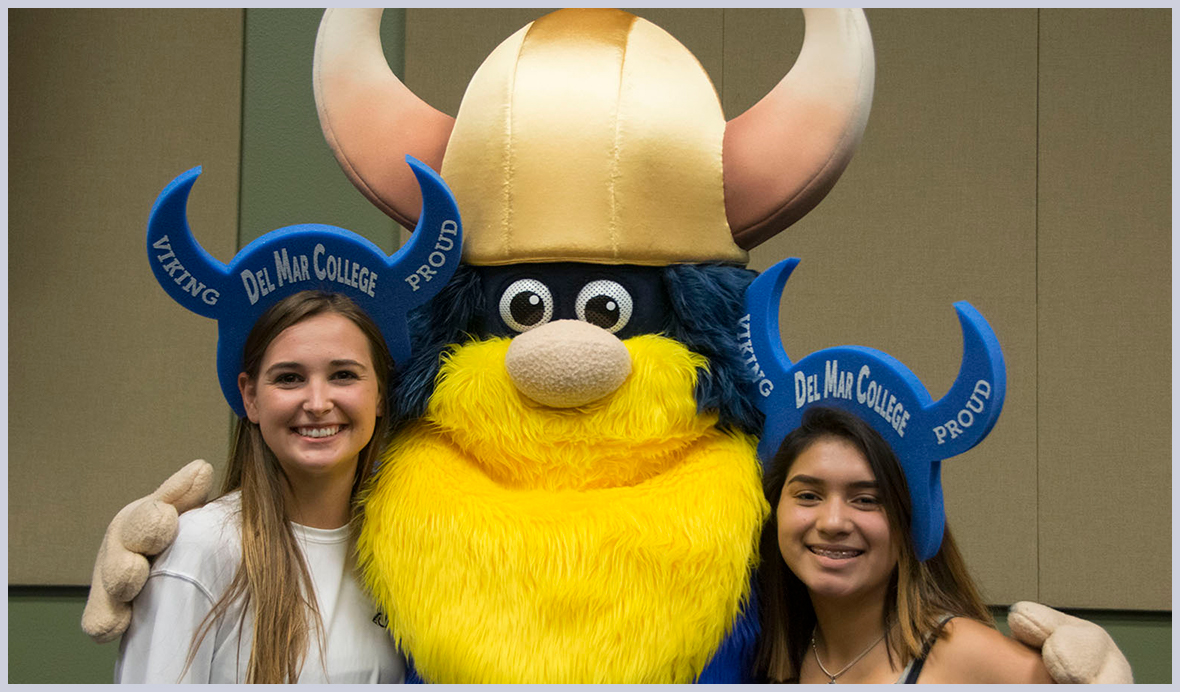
[[249, 390]]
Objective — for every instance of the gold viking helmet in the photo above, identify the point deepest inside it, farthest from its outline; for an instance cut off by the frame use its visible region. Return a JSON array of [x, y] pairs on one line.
[[595, 136]]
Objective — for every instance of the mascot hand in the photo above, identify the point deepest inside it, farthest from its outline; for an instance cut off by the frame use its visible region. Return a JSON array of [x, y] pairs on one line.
[[144, 527], [1074, 650]]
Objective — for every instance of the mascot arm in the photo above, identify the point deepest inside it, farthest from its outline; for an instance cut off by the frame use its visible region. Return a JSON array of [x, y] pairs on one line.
[[144, 527], [1074, 650]]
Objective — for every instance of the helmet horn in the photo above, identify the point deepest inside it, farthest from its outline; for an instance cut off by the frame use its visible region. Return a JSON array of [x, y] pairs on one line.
[[370, 119], [783, 155]]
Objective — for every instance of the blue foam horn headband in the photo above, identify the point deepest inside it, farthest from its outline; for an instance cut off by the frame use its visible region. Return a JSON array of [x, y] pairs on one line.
[[879, 389], [299, 258]]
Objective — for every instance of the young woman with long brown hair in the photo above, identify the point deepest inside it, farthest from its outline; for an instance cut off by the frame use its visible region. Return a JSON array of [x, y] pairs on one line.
[[259, 584], [848, 601]]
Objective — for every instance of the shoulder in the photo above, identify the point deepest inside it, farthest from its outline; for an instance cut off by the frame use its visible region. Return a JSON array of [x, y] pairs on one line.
[[208, 543], [971, 652], [212, 525]]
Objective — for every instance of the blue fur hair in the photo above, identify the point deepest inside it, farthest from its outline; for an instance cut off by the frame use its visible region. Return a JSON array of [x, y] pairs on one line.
[[707, 302], [706, 305], [452, 317]]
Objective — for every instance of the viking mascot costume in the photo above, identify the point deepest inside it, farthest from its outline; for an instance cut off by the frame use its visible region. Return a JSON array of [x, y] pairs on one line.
[[573, 493]]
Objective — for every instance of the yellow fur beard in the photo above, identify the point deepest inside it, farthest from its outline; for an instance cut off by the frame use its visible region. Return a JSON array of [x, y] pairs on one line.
[[510, 542]]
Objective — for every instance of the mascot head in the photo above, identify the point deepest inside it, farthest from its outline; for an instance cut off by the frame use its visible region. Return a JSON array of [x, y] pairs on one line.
[[591, 162]]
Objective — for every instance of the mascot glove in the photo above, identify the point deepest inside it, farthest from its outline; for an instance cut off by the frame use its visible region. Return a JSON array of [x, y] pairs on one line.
[[1074, 650], [144, 527]]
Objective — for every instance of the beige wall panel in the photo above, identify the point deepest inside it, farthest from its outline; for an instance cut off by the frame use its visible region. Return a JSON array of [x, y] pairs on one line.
[[105, 108], [1105, 308], [937, 206]]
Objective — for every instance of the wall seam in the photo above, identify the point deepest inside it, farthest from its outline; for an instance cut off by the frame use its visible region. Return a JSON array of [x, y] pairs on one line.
[[242, 130], [724, 63], [1037, 297], [231, 417]]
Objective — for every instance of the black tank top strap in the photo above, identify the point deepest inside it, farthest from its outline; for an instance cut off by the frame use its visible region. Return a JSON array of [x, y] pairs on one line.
[[916, 668]]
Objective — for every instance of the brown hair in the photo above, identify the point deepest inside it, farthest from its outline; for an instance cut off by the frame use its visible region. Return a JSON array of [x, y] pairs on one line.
[[273, 575], [919, 593]]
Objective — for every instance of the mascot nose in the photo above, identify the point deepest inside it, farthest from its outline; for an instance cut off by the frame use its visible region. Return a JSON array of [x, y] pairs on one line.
[[567, 363]]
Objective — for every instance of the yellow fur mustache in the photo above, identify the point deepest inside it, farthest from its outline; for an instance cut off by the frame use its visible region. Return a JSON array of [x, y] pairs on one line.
[[626, 437]]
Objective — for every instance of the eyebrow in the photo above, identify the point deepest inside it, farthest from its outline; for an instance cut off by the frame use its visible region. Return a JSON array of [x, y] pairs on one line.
[[293, 365], [812, 480]]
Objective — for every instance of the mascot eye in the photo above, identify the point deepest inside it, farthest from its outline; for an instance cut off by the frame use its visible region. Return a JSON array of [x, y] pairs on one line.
[[604, 304], [526, 303]]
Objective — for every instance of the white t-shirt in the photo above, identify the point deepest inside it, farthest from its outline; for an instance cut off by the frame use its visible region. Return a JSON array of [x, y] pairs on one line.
[[192, 574]]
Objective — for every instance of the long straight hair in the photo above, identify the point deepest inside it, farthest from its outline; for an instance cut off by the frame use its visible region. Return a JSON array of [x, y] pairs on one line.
[[919, 593], [273, 576]]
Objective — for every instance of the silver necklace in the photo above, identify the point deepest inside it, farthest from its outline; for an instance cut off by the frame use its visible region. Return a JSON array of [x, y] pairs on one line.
[[843, 670]]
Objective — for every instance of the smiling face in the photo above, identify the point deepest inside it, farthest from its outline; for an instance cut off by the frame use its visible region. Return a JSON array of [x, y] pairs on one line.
[[316, 397], [832, 528]]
